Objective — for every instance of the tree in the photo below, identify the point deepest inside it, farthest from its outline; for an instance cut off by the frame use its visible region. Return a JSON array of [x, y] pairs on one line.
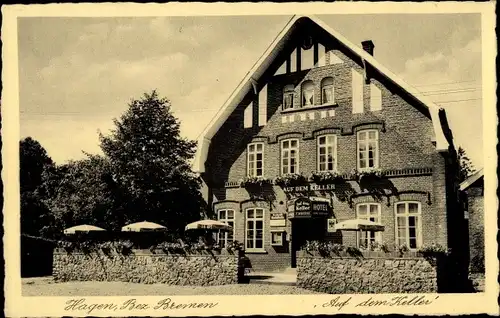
[[151, 177], [34, 162], [78, 193], [466, 166]]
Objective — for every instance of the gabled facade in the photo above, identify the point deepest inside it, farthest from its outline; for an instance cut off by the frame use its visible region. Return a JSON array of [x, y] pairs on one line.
[[318, 106]]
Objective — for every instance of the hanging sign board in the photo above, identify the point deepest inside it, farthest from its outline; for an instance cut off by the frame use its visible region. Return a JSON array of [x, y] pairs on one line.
[[277, 219], [305, 208]]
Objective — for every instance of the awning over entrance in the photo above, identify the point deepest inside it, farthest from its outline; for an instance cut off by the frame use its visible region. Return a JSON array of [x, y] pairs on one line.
[[312, 207]]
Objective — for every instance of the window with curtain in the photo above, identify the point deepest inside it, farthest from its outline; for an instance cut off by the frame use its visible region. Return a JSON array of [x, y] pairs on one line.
[[307, 93], [327, 96], [288, 92]]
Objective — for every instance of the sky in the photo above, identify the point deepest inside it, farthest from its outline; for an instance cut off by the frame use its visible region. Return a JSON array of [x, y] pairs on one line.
[[77, 74]]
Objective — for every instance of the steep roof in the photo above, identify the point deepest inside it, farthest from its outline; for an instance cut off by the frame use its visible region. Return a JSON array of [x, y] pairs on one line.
[[471, 180], [268, 58]]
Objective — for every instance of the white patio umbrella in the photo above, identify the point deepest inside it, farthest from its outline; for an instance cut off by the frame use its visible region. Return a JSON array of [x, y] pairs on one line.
[[83, 228], [143, 226], [209, 225], [359, 225]]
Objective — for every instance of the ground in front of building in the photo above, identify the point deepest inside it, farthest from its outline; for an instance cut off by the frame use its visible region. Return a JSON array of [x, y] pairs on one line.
[[261, 284]]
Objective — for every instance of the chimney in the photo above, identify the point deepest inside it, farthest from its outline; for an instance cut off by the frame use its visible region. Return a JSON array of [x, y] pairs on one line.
[[368, 46]]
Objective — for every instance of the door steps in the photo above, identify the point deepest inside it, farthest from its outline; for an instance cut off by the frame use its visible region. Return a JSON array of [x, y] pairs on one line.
[[287, 277]]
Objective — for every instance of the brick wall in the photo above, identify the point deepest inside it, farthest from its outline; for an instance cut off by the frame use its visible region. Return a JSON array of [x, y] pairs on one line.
[[476, 228]]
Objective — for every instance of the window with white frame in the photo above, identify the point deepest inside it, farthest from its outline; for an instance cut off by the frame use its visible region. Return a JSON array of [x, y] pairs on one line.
[[226, 237], [255, 160], [409, 224], [370, 212], [327, 96], [288, 92], [307, 93], [368, 153], [289, 156], [327, 153], [254, 238]]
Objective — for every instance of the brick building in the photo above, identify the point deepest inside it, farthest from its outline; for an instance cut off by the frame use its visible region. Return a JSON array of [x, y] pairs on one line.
[[473, 198], [282, 158]]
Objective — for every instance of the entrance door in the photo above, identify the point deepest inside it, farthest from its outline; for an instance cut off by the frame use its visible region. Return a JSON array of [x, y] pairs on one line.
[[297, 240], [305, 230]]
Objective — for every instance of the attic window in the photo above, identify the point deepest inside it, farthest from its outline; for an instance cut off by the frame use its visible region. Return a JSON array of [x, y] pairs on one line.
[[327, 96], [307, 93], [288, 96]]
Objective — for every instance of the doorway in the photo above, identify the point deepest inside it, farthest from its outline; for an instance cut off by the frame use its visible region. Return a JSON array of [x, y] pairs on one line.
[[305, 230]]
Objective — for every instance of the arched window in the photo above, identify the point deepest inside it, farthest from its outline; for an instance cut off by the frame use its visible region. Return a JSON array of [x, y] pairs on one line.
[[288, 96], [307, 93], [327, 92]]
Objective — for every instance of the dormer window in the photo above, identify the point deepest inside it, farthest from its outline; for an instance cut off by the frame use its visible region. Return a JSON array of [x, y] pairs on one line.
[[288, 96], [327, 92], [307, 93]]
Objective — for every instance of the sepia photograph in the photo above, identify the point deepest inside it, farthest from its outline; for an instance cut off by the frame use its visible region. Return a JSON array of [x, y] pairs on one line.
[[322, 154]]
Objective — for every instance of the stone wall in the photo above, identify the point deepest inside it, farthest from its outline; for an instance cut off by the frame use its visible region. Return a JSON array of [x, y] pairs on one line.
[[145, 267], [349, 275]]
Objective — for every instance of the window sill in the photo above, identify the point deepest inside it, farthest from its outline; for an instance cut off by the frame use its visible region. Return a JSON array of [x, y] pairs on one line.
[[306, 108], [252, 251]]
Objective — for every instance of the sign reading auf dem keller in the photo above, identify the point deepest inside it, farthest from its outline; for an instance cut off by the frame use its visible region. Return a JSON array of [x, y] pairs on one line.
[[305, 208], [310, 187]]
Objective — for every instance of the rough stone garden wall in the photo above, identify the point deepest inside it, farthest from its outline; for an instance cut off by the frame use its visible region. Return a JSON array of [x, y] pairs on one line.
[[349, 275], [145, 267]]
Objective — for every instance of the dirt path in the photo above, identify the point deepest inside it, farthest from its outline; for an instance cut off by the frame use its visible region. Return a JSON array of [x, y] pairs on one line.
[[45, 286]]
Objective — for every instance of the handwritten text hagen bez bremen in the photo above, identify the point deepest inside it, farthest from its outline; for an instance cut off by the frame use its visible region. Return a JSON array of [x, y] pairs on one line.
[[81, 304]]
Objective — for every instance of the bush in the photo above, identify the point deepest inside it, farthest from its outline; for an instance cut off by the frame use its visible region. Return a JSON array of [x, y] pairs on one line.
[[433, 249]]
